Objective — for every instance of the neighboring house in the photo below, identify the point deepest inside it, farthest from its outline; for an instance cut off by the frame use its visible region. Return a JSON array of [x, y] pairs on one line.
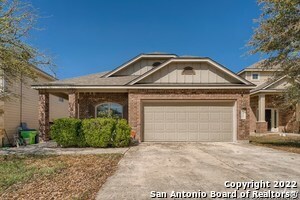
[[164, 98], [266, 114], [23, 107]]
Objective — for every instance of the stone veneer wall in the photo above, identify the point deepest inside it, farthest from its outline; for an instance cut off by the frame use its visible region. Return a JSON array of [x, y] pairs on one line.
[[135, 98]]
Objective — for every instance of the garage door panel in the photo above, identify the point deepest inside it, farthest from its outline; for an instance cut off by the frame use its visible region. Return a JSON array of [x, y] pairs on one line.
[[203, 116], [158, 116], [193, 127], [214, 116], [203, 137], [186, 122], [226, 137], [204, 127], [193, 136], [182, 116], [170, 127], [227, 127], [193, 116], [226, 117], [214, 137], [215, 126], [181, 136], [159, 127], [182, 127], [170, 116]]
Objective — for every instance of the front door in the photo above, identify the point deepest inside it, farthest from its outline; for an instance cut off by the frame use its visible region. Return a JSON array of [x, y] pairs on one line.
[[268, 116]]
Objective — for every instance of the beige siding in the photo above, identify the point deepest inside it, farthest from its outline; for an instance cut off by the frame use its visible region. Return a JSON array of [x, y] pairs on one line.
[[140, 67], [282, 84], [263, 76], [12, 108], [204, 73]]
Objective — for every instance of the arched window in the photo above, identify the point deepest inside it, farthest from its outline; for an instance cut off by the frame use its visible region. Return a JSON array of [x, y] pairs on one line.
[[109, 109], [188, 71], [156, 64]]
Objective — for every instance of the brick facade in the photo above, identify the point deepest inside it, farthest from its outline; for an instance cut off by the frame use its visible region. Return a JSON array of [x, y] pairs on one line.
[[135, 98], [89, 101], [286, 117], [73, 104], [261, 127], [44, 127]]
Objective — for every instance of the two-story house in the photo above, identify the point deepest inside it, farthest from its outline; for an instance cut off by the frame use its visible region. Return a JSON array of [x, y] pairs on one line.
[[266, 113], [22, 107]]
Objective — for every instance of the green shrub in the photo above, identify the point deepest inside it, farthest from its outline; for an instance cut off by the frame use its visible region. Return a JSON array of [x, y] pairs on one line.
[[122, 134], [98, 132], [67, 132]]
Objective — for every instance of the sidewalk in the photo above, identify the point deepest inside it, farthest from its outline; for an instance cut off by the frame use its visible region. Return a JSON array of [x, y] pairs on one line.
[[51, 148]]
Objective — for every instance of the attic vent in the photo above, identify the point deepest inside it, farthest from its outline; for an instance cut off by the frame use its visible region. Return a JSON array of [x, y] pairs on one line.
[[156, 64], [188, 71]]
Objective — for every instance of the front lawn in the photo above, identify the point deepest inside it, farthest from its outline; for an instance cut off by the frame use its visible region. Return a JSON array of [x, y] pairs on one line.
[[55, 176], [290, 142]]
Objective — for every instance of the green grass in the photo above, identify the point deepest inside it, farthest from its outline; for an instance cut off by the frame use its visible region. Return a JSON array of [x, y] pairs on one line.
[[19, 168], [289, 143]]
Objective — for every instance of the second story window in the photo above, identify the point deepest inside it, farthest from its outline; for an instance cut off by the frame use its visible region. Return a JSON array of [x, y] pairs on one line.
[[255, 76]]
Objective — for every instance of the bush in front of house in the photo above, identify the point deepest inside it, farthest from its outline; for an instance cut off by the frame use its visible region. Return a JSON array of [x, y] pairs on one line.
[[122, 134], [67, 132], [98, 132]]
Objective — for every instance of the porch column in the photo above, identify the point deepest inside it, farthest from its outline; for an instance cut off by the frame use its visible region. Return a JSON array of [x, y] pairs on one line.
[[261, 124], [261, 107], [73, 104], [44, 126]]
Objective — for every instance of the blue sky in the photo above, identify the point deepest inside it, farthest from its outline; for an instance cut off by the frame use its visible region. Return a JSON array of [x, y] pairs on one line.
[[89, 36]]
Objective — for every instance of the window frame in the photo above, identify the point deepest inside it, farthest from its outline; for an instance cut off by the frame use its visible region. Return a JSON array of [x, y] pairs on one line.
[[122, 115], [258, 76]]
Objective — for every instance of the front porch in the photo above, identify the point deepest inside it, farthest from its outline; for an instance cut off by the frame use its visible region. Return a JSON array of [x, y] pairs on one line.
[[268, 116], [81, 105]]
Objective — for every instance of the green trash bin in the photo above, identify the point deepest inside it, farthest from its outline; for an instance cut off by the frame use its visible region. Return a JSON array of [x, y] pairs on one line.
[[29, 135]]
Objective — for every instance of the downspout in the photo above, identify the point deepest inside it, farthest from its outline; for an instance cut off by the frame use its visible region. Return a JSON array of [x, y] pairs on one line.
[[21, 99]]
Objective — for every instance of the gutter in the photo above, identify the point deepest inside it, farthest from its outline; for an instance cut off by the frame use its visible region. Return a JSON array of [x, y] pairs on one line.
[[39, 87]]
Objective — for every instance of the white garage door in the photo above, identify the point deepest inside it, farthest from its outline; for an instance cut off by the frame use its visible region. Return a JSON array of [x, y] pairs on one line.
[[188, 122]]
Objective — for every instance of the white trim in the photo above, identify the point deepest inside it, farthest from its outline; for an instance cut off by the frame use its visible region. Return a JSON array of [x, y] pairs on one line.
[[258, 76], [190, 60], [144, 87], [266, 91], [257, 70], [136, 59], [234, 123]]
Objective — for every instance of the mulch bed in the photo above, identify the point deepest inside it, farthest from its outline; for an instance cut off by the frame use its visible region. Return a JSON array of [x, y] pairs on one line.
[[81, 177]]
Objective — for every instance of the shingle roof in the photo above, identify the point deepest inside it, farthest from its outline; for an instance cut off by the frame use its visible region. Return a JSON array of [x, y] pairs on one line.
[[266, 85], [93, 79], [257, 67]]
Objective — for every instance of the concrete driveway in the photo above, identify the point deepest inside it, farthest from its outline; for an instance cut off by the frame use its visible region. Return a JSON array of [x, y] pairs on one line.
[[166, 167]]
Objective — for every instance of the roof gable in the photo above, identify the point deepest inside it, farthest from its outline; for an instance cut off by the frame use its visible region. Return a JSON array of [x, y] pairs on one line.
[[277, 85], [206, 71], [135, 60]]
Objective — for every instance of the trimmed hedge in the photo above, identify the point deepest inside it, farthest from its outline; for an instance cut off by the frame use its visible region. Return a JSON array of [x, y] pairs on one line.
[[122, 134], [99, 132], [67, 132]]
